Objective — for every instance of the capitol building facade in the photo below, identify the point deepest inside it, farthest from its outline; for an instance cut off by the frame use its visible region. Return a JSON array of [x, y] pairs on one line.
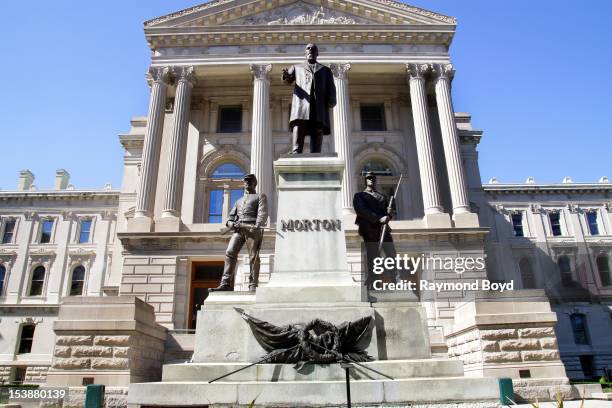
[[144, 256]]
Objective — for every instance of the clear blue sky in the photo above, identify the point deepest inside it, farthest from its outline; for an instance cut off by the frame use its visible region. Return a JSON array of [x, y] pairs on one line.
[[535, 75]]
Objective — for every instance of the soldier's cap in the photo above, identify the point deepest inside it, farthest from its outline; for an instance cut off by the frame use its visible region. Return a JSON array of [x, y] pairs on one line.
[[249, 176], [370, 175]]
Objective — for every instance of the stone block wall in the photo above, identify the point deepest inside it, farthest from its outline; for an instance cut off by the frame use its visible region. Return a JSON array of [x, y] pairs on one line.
[[152, 279], [504, 345], [114, 340]]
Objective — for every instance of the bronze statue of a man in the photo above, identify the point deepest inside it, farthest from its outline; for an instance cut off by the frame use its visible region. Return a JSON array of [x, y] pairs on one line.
[[246, 219], [314, 93], [372, 209]]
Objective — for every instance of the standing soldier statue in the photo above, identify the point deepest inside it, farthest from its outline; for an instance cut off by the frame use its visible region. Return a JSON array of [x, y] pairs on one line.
[[314, 94], [373, 216], [247, 219]]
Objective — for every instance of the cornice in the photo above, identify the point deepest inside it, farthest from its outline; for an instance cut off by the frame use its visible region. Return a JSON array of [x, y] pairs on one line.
[[382, 10], [292, 34], [547, 188], [52, 195]]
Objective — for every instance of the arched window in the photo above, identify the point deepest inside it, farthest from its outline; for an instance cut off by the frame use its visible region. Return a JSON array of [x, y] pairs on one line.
[[77, 281], [579, 327], [38, 281], [2, 278], [227, 171], [378, 167], [224, 189], [603, 267], [527, 276], [26, 338], [566, 271]]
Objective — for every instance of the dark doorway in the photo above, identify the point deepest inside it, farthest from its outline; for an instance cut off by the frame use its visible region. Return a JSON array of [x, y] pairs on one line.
[[204, 275]]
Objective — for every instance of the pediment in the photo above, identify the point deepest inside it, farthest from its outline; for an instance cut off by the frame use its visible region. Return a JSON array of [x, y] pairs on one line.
[[299, 12]]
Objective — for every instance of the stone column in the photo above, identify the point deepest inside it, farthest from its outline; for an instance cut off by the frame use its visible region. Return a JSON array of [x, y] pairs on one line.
[[176, 157], [434, 215], [342, 134], [261, 134], [452, 150], [152, 145]]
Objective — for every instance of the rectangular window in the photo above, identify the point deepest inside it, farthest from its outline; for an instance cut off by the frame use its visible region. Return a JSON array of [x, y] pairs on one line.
[[26, 339], [555, 223], [19, 374], [579, 327], [592, 220], [215, 206], [373, 117], [230, 119], [84, 232], [9, 230], [517, 224], [45, 231]]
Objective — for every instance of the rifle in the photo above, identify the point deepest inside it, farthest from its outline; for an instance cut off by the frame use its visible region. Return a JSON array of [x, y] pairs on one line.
[[389, 210], [225, 230]]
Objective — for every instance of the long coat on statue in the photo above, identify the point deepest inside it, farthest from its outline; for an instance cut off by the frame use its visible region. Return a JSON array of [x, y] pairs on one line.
[[311, 88]]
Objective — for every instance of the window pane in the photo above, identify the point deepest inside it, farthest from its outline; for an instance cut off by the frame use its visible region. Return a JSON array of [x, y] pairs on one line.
[[228, 171], [579, 328], [555, 223], [45, 234], [234, 196], [230, 119], [2, 277], [604, 271], [215, 206], [592, 219], [373, 117], [38, 280], [377, 167], [78, 279], [84, 234], [527, 274], [27, 336], [517, 224], [9, 228]]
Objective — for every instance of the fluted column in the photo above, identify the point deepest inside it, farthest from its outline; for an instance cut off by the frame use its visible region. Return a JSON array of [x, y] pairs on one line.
[[450, 139], [261, 133], [429, 179], [176, 156], [342, 133], [152, 142]]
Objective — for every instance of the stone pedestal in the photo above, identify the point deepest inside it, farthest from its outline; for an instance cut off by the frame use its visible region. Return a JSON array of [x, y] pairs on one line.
[[310, 263], [311, 281], [114, 340]]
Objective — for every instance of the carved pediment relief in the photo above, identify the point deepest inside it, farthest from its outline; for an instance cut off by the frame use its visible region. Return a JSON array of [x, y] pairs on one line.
[[300, 13]]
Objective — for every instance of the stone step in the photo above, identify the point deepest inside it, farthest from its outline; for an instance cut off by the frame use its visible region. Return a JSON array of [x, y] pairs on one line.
[[483, 391], [397, 369]]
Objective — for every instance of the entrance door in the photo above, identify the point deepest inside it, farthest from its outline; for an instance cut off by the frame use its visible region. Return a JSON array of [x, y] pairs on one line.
[[204, 275]]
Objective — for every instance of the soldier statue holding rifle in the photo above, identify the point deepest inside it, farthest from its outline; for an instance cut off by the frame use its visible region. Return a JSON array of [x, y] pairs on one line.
[[247, 220], [374, 211]]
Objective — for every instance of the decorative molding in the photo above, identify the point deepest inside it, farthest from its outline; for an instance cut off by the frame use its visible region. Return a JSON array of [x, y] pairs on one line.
[[573, 208], [300, 13], [160, 74], [417, 71], [184, 74], [30, 215], [29, 320], [444, 71], [340, 70], [535, 208], [261, 71]]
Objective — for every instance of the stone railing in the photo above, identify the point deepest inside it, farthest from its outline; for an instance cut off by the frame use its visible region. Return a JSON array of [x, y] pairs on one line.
[[510, 335], [113, 341]]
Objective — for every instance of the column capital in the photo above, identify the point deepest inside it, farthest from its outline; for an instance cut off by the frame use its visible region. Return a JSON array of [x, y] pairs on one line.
[[444, 71], [340, 70], [417, 71], [261, 71], [159, 74], [185, 74]]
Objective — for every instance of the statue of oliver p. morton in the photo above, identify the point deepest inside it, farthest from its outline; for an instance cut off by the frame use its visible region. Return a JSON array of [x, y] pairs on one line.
[[314, 94]]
